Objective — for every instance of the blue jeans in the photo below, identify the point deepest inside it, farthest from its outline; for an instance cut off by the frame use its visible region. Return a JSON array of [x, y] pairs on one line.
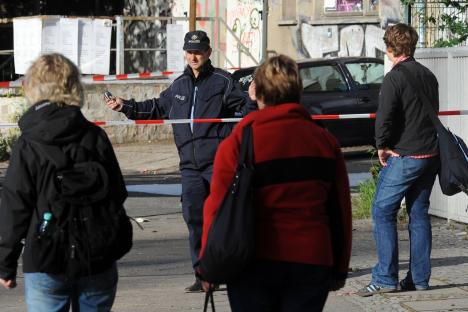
[[277, 286], [195, 189], [413, 179], [55, 293]]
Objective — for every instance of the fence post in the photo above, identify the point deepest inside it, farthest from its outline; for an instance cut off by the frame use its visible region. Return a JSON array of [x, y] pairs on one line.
[[119, 45]]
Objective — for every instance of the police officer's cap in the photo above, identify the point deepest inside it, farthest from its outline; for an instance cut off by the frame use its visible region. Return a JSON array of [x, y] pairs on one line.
[[196, 40]]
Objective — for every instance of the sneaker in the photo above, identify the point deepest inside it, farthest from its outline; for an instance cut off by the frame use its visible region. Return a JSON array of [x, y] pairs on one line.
[[406, 285], [195, 287], [372, 289]]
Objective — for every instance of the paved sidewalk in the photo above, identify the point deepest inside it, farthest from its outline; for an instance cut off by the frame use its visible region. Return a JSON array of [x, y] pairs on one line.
[[158, 291], [449, 282]]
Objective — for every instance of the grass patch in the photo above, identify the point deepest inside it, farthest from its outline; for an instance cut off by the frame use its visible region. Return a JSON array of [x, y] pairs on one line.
[[362, 203]]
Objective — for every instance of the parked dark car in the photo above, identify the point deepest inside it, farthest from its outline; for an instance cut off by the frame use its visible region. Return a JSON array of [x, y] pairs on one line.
[[347, 85]]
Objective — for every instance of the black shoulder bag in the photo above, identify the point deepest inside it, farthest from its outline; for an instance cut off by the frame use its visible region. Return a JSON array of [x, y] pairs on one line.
[[453, 174], [230, 245]]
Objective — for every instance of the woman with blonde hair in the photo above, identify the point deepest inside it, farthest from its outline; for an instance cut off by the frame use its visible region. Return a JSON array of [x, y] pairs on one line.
[[302, 201], [54, 122]]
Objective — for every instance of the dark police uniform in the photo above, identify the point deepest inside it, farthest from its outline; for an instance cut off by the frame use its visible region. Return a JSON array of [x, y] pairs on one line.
[[213, 94]]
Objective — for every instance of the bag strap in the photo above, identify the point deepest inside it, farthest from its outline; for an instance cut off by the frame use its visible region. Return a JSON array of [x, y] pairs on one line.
[[209, 298], [246, 149], [417, 86]]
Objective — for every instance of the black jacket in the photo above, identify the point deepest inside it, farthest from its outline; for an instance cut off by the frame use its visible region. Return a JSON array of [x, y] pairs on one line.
[[217, 96], [401, 123], [27, 182]]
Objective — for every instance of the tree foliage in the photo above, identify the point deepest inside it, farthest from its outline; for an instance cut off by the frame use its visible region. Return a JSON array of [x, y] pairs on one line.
[[453, 20]]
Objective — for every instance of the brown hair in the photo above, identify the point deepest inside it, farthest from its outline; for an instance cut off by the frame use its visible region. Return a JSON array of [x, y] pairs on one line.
[[401, 39], [277, 81], [55, 78]]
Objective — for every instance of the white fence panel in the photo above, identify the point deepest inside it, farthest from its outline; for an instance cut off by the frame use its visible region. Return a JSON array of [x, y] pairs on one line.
[[450, 65]]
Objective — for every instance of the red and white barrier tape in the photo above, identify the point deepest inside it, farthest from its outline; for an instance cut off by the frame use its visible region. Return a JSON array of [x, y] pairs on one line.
[[11, 84], [218, 120], [128, 76], [97, 78]]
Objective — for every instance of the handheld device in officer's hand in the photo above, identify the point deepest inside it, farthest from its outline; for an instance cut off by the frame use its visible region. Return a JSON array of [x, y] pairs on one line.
[[108, 95]]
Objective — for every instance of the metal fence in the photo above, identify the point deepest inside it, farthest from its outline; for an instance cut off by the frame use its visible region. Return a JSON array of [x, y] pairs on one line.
[[139, 45], [426, 16], [449, 66]]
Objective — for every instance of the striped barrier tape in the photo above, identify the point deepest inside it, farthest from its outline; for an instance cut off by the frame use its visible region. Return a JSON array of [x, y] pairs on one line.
[[11, 84], [97, 78], [128, 76], [218, 120]]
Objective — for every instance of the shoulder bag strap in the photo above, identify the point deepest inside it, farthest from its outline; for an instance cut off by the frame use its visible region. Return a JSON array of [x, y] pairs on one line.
[[417, 86], [209, 299], [246, 149]]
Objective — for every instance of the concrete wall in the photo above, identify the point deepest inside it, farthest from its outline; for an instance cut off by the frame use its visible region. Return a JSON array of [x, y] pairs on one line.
[[95, 110]]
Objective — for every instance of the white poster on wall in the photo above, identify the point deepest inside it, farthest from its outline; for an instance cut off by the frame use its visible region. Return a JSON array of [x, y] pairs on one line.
[[102, 31], [175, 44], [69, 38], [86, 42], [94, 40], [51, 35], [26, 42], [85, 45]]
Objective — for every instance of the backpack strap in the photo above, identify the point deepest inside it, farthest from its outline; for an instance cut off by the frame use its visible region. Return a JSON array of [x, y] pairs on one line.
[[52, 153]]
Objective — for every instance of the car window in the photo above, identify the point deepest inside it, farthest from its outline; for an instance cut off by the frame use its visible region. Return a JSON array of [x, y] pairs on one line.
[[366, 72], [322, 79]]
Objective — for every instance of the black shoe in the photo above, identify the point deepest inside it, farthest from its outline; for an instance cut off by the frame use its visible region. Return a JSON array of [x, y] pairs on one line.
[[196, 287], [406, 285]]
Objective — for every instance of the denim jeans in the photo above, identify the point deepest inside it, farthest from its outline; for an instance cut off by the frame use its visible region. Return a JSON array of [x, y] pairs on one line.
[[413, 179], [276, 286], [195, 189], [55, 293]]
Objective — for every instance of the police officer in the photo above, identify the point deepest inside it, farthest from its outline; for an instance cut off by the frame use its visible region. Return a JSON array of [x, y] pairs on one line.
[[202, 91]]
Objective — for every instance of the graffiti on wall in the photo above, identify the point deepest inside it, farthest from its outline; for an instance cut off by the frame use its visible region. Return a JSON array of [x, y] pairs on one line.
[[244, 19], [146, 34], [335, 40], [346, 40]]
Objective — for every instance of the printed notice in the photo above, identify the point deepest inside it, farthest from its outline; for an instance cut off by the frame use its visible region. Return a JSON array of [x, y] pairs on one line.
[[69, 38], [85, 45], [26, 42], [85, 41], [102, 40], [175, 43], [51, 35]]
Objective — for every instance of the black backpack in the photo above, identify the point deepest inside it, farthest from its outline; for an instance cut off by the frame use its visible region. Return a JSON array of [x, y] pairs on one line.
[[88, 230], [230, 246]]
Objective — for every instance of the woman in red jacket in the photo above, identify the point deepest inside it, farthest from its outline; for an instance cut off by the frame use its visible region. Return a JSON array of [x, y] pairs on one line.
[[302, 200]]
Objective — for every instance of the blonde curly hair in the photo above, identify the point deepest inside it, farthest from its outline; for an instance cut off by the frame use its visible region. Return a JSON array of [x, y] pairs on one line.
[[55, 78]]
